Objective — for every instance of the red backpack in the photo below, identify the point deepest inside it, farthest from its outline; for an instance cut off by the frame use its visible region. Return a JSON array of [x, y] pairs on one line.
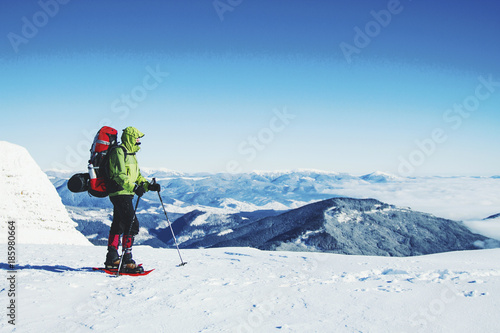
[[97, 182], [104, 141]]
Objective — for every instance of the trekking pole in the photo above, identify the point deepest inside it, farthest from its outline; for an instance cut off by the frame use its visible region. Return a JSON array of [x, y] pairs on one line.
[[171, 229], [129, 231]]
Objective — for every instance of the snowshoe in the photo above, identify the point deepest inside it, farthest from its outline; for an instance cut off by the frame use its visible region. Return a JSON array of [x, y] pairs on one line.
[[140, 271], [132, 269], [129, 265]]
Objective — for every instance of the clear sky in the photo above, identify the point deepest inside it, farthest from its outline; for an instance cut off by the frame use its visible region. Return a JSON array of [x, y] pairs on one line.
[[407, 87]]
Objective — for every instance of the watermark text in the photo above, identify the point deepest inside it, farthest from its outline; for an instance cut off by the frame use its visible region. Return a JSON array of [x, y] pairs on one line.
[[11, 273]]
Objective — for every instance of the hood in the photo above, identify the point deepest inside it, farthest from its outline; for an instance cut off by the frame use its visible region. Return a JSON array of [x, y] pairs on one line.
[[129, 137]]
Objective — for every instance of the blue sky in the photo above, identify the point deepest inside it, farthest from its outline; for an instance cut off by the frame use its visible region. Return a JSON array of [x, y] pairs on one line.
[[407, 87]]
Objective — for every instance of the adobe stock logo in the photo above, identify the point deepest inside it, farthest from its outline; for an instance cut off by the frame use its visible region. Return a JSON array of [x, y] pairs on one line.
[[454, 117], [122, 107], [363, 37], [223, 6], [139, 93], [30, 27], [254, 144]]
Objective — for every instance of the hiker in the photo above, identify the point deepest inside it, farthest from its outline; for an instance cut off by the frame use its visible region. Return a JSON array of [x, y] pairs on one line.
[[124, 171]]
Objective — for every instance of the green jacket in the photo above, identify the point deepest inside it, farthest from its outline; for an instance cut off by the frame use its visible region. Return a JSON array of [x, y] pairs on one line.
[[123, 168]]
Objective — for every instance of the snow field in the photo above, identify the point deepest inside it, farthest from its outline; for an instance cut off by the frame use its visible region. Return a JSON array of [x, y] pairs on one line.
[[247, 290]]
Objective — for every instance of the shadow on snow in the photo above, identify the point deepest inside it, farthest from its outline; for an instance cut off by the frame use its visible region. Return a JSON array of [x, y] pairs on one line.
[[54, 269]]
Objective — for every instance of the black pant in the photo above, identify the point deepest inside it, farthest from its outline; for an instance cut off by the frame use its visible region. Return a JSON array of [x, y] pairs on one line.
[[123, 215]]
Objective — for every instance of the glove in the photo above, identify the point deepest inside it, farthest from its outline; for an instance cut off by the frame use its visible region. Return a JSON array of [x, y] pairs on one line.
[[154, 187], [139, 190]]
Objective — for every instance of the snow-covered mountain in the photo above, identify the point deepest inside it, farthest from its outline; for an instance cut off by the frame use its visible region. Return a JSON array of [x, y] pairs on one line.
[[221, 198], [28, 198], [193, 228], [246, 191], [226, 201], [350, 226], [380, 177]]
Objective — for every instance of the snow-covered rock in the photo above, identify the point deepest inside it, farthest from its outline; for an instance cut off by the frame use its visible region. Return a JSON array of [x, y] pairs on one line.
[[28, 198]]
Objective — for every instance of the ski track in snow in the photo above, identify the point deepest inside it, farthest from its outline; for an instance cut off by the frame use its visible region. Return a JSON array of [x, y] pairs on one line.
[[247, 290]]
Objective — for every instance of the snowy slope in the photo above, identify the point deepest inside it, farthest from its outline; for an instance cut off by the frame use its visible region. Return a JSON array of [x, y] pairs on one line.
[[28, 198], [247, 290]]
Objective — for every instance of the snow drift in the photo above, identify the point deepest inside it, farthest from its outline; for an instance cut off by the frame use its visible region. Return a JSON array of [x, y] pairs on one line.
[[28, 198]]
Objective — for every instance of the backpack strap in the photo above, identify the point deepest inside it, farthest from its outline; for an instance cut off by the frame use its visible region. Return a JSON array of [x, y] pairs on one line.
[[112, 185], [125, 152]]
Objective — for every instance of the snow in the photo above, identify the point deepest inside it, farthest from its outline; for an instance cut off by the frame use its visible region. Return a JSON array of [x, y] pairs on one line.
[[143, 235], [247, 290], [160, 172], [279, 173], [28, 198], [332, 216], [200, 220], [225, 232], [380, 177]]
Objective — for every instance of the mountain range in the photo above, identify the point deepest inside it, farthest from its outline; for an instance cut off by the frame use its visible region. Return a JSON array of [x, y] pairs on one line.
[[289, 210]]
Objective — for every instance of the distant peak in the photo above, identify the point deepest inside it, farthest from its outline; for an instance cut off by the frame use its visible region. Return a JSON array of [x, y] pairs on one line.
[[380, 177]]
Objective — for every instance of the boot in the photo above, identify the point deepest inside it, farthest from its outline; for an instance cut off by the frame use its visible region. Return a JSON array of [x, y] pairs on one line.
[[128, 264], [112, 257]]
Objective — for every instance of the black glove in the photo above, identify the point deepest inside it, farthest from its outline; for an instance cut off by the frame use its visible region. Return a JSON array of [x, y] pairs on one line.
[[154, 187], [139, 190]]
